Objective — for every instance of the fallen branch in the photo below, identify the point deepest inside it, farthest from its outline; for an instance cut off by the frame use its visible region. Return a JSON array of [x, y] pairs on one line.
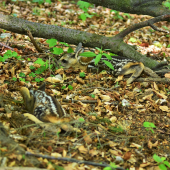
[[72, 160]]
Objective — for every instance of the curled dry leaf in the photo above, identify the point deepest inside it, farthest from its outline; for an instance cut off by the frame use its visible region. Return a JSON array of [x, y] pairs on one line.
[[53, 80], [80, 80]]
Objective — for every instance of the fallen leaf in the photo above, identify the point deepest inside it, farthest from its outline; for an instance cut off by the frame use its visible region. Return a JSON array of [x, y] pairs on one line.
[[164, 108], [82, 149]]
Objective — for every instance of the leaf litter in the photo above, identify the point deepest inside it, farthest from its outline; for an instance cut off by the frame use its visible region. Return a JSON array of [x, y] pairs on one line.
[[112, 128]]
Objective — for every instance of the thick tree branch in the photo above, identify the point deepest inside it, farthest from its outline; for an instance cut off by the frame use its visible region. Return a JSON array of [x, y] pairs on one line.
[[115, 44], [145, 7]]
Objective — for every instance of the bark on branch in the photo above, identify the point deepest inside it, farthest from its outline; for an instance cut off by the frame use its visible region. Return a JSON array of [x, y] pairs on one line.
[[115, 44], [145, 7]]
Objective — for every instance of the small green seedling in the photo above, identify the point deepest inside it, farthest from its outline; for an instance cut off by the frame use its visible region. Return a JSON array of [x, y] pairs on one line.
[[161, 162], [82, 74], [149, 126]]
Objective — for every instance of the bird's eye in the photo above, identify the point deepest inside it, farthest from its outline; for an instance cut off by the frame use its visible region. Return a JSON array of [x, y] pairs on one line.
[[64, 61]]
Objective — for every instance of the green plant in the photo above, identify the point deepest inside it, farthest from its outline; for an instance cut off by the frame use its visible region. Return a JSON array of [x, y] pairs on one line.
[[70, 87], [161, 162], [149, 126], [9, 54], [92, 95], [55, 50], [112, 165], [82, 74], [167, 4], [36, 11], [117, 15], [99, 56], [84, 6]]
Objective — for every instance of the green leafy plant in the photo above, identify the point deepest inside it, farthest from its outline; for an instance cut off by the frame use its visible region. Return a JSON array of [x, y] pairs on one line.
[[84, 6], [81, 119], [39, 79], [92, 95], [14, 78], [117, 15], [55, 50], [63, 87], [9, 54], [70, 87], [149, 126], [82, 74], [161, 162], [99, 56], [112, 165], [167, 4]]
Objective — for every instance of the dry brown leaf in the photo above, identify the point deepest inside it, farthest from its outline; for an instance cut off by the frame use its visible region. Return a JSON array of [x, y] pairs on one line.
[[112, 144], [167, 75], [155, 144], [82, 149], [148, 97], [149, 144], [53, 80], [113, 119], [115, 152], [55, 154], [145, 164], [105, 97], [155, 86], [87, 138], [127, 155], [119, 78], [93, 152], [80, 80], [164, 108], [134, 145], [2, 78], [160, 94]]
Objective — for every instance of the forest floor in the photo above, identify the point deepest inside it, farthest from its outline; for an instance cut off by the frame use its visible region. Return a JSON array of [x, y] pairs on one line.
[[127, 126]]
